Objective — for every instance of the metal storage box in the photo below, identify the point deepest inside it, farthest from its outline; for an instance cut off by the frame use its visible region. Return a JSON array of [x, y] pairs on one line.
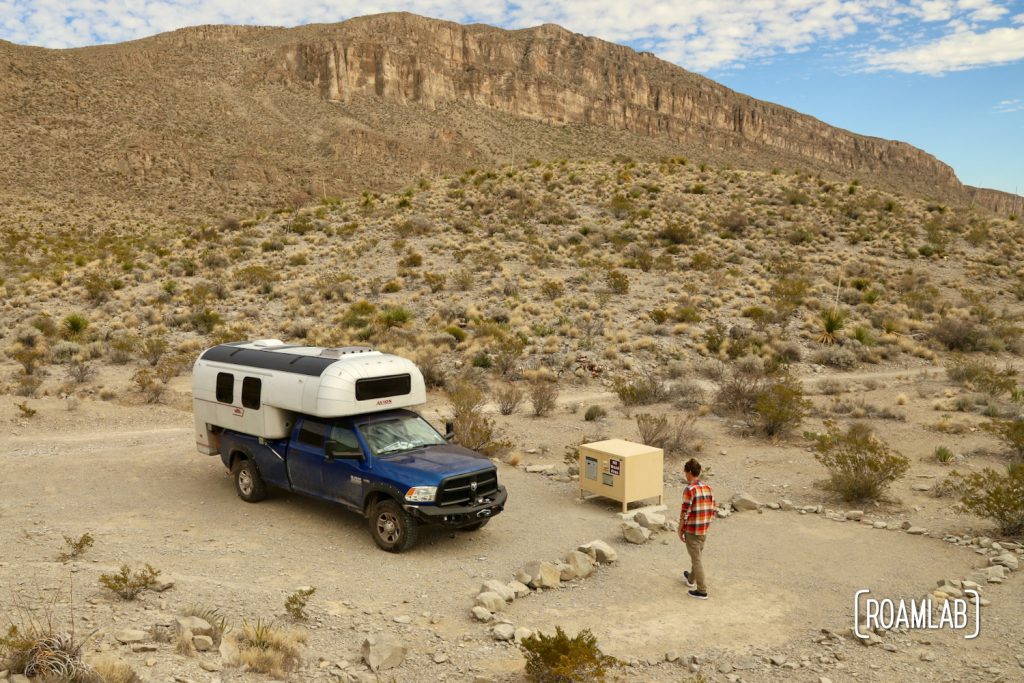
[[622, 470]]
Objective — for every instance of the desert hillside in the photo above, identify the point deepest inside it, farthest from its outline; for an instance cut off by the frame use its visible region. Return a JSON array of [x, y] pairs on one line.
[[216, 119]]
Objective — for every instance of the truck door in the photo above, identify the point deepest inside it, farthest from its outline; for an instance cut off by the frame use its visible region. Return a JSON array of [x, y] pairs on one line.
[[306, 456], [346, 467]]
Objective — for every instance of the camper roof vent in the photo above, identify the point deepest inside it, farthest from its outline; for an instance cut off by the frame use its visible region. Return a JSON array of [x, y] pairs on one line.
[[339, 351], [264, 343]]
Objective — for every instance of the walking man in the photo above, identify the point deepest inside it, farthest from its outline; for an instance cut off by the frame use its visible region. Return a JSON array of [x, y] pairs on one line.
[[694, 519]]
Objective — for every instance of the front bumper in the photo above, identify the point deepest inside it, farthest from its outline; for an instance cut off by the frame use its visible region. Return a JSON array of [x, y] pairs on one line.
[[456, 516]]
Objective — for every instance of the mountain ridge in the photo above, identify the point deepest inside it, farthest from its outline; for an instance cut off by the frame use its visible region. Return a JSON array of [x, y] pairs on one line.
[[217, 117]]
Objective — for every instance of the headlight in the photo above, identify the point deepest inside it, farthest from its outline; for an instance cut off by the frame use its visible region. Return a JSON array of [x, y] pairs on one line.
[[421, 494]]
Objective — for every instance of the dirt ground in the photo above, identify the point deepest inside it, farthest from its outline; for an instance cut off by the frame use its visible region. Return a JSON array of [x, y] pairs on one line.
[[127, 474]]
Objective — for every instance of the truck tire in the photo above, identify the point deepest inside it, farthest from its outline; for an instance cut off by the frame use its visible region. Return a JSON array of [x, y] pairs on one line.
[[248, 482], [476, 525], [393, 529]]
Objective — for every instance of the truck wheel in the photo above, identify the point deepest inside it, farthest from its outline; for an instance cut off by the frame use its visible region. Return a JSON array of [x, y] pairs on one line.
[[393, 529], [476, 525], [248, 482]]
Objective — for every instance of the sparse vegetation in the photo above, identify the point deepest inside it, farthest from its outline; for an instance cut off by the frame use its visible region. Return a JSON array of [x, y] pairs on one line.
[[996, 496], [74, 547], [561, 659], [267, 648], [860, 465], [128, 584], [295, 604]]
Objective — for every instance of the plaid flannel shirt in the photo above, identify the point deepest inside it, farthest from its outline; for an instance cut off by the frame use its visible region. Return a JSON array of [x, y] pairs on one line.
[[698, 509]]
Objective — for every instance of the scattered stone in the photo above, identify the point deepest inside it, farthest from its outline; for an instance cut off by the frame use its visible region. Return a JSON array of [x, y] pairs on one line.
[[773, 506], [889, 647], [649, 520], [905, 525], [403, 619], [634, 533], [921, 487], [916, 531], [539, 469], [880, 525], [823, 679], [855, 515], [521, 634], [519, 589], [198, 627], [724, 667], [20, 678], [482, 614], [440, 658], [600, 551], [494, 586], [566, 572], [671, 656], [744, 663], [209, 665], [742, 501], [539, 575], [1007, 560], [490, 601], [777, 660], [723, 513], [151, 661], [382, 654], [229, 653], [927, 657], [129, 636], [163, 586], [203, 643], [786, 505], [504, 632], [581, 563], [647, 509]]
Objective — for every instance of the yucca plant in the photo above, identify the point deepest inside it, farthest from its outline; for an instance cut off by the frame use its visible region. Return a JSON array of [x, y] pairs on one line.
[[832, 321]]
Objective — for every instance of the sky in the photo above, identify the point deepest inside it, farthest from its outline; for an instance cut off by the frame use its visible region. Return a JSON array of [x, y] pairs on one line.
[[944, 75]]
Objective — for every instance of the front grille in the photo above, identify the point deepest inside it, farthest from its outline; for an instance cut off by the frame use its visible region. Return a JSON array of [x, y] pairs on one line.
[[459, 490]]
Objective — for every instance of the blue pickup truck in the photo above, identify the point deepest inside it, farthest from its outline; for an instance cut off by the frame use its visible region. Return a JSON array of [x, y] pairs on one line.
[[324, 423]]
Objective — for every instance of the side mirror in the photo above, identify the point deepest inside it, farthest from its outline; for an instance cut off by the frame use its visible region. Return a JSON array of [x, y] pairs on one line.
[[449, 430]]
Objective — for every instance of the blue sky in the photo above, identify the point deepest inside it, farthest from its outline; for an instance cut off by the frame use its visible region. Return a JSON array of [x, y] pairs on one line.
[[944, 75]]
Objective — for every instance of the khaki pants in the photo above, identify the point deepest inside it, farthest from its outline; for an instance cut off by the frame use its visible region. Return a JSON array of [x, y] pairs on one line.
[[695, 546]]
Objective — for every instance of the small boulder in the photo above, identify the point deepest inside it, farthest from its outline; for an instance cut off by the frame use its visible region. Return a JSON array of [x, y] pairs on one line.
[[495, 586], [634, 533], [917, 531], [198, 627], [229, 653], [521, 634], [381, 654], [786, 505], [504, 632], [482, 614], [600, 551], [743, 501], [649, 520], [203, 643], [539, 575], [581, 563], [490, 601], [566, 572], [518, 588], [129, 636], [855, 515]]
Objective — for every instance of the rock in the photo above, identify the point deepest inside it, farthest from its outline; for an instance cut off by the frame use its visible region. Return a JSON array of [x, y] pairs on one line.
[[539, 575], [565, 572], [163, 586], [539, 469], [671, 656], [402, 619], [382, 654], [482, 614], [723, 513], [1007, 560], [150, 661], [20, 678], [494, 586], [823, 679], [855, 515], [581, 563], [647, 509], [521, 634], [440, 658], [649, 520], [777, 660], [490, 601], [905, 525], [927, 657], [519, 589], [773, 506], [634, 533], [742, 501], [921, 487], [504, 632], [724, 667], [209, 665], [143, 647], [880, 525], [744, 663], [786, 505], [229, 653], [600, 551], [203, 643], [916, 531], [198, 627], [889, 647], [129, 636]]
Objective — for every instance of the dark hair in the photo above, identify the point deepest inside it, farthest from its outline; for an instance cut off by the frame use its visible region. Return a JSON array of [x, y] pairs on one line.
[[692, 466]]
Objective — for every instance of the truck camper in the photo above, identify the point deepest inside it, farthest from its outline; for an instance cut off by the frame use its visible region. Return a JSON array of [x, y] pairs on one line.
[[335, 424]]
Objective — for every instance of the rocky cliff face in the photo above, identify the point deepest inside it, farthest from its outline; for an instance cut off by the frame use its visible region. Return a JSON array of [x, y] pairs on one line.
[[245, 117], [551, 75]]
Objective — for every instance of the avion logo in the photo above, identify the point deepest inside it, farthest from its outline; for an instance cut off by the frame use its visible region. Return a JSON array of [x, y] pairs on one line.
[[384, 402]]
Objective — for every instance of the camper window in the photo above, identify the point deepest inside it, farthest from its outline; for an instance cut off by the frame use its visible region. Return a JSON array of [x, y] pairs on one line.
[[370, 388], [344, 440], [225, 387], [312, 433], [251, 387]]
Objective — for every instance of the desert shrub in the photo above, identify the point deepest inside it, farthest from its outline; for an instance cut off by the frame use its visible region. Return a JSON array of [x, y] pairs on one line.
[[641, 390], [122, 347], [1010, 433], [981, 374], [542, 389], [594, 413], [429, 362], [395, 316], [509, 397], [435, 281], [31, 358], [74, 326], [943, 454], [552, 289], [205, 320], [675, 436], [128, 584], [738, 393], [108, 668], [481, 359], [80, 371], [957, 334], [831, 321], [860, 464], [781, 407], [150, 385], [996, 496], [474, 429], [295, 604], [267, 648], [561, 659], [41, 651], [617, 281], [74, 547], [456, 332], [836, 357], [506, 353]]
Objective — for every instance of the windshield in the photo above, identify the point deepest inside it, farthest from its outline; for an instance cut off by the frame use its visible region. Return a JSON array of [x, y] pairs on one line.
[[400, 433]]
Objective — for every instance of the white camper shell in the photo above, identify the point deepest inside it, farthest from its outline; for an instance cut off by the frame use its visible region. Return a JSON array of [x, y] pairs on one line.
[[258, 387]]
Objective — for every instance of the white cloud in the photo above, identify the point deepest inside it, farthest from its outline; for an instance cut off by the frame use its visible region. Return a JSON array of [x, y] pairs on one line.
[[1009, 106], [697, 34], [955, 52]]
